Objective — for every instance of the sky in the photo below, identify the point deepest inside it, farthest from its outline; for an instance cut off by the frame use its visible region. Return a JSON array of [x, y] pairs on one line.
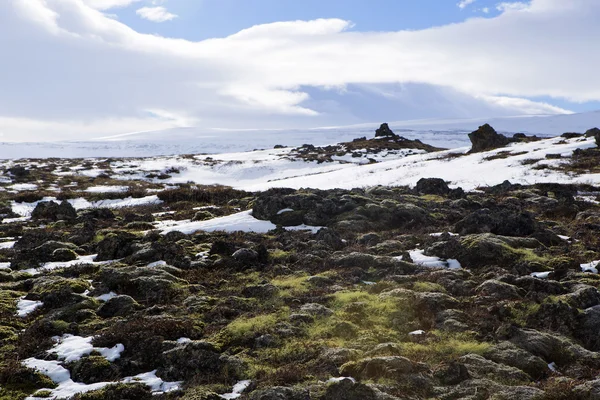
[[79, 69]]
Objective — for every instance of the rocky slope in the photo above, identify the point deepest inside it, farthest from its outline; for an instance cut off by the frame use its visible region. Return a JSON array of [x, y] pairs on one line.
[[135, 289]]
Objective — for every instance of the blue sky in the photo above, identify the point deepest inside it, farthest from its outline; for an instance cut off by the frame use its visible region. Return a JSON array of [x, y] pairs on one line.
[[204, 19], [86, 68]]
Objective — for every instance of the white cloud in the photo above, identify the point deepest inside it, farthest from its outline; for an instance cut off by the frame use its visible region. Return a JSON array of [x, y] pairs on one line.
[[465, 3], [108, 4], [155, 14], [69, 66], [486, 10], [512, 6]]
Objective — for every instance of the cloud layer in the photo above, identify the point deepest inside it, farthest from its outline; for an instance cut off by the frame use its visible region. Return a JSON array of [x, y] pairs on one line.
[[73, 68]]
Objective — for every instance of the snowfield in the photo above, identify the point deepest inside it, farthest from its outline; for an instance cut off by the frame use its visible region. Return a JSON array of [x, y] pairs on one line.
[[524, 163]]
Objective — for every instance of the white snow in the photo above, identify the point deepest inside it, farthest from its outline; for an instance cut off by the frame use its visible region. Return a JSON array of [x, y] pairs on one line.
[[23, 186], [65, 264], [26, 307], [417, 333], [72, 348], [453, 264], [156, 384], [438, 234], [7, 245], [590, 267], [341, 378], [285, 210], [418, 257], [552, 367], [107, 189], [243, 221], [237, 390], [541, 275], [183, 340], [4, 265], [106, 297], [25, 209], [157, 264]]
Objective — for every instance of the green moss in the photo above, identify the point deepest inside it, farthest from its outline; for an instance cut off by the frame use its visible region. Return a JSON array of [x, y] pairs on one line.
[[428, 287], [291, 286], [244, 329], [443, 347]]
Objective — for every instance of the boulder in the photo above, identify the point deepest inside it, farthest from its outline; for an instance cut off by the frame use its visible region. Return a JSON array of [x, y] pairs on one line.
[[116, 245], [94, 369], [197, 358], [348, 389], [52, 211], [245, 255], [432, 186], [499, 222], [118, 306], [509, 354], [385, 132], [316, 310], [486, 138], [480, 367], [497, 290]]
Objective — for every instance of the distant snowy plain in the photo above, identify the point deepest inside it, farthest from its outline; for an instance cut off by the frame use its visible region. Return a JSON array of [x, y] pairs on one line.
[[447, 133]]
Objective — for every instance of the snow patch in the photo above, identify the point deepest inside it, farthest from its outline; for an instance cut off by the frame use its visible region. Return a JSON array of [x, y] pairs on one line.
[[237, 390], [26, 307]]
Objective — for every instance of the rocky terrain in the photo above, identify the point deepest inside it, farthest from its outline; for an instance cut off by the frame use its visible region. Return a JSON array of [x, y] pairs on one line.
[[119, 282]]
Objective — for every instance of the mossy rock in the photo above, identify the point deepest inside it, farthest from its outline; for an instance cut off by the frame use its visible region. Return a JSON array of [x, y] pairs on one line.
[[56, 291], [93, 369], [120, 391]]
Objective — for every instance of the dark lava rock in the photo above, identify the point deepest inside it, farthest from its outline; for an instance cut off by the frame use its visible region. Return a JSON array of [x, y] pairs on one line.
[[116, 245], [280, 393], [245, 255], [486, 138], [94, 369], [348, 389], [432, 186], [452, 373], [385, 131], [197, 358], [499, 222], [509, 354], [118, 306], [594, 132], [52, 211]]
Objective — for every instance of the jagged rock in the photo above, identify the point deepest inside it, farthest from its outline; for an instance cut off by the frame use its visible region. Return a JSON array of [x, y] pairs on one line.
[[499, 222], [486, 138], [552, 348], [330, 237], [148, 284], [498, 290], [509, 354], [118, 306], [370, 239], [584, 296], [432, 186], [476, 389], [197, 357], [94, 369], [52, 211], [116, 245], [594, 132], [348, 389], [319, 281], [479, 368], [385, 131], [589, 390], [589, 326], [434, 302], [280, 393], [452, 373]]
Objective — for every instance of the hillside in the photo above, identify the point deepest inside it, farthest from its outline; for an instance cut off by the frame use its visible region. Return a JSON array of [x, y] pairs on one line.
[[380, 268]]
